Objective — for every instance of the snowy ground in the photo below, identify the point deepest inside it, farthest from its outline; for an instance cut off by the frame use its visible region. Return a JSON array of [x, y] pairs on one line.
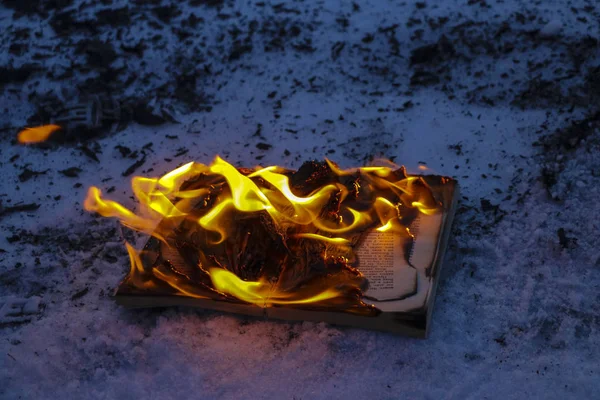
[[505, 100]]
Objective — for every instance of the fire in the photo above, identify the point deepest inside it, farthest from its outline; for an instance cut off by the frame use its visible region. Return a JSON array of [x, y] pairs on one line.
[[264, 236], [37, 134], [261, 292]]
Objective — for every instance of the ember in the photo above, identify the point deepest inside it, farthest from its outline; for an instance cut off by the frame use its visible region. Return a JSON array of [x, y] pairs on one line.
[[268, 236], [37, 134]]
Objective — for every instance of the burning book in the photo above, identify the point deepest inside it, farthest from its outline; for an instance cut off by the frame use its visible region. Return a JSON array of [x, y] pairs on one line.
[[360, 247]]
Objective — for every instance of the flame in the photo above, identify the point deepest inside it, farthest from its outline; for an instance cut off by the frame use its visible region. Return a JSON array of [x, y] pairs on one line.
[[211, 200], [37, 134], [333, 240], [261, 292], [135, 260]]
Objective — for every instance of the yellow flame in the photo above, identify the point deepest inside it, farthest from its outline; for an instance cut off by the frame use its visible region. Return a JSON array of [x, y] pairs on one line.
[[134, 258], [251, 292], [37, 134], [424, 208], [212, 220], [246, 195], [306, 209], [335, 240], [163, 197], [108, 208], [214, 196], [388, 225], [359, 220], [261, 292]]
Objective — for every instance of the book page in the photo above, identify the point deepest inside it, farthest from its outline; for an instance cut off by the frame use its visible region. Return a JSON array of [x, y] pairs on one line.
[[427, 234], [382, 261], [394, 284]]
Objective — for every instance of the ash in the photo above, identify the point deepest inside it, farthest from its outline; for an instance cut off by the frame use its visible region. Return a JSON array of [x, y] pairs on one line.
[[502, 95]]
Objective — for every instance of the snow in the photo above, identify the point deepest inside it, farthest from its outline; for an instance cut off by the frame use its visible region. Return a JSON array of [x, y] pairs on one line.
[[552, 28], [516, 313]]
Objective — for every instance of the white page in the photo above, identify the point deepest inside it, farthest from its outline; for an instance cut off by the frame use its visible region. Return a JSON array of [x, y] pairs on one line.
[[390, 276]]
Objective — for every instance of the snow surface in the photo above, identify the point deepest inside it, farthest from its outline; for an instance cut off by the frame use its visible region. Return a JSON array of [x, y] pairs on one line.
[[517, 313]]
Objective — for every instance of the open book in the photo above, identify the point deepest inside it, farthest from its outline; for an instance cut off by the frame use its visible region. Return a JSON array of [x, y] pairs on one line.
[[402, 277]]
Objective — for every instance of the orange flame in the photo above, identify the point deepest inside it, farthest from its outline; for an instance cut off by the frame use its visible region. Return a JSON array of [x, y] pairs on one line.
[[211, 197], [37, 135]]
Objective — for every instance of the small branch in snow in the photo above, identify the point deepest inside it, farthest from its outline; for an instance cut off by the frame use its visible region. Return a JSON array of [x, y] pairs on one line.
[[135, 166], [20, 208]]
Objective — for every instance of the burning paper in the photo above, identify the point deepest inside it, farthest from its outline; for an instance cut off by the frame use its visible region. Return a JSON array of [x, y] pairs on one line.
[[320, 238]]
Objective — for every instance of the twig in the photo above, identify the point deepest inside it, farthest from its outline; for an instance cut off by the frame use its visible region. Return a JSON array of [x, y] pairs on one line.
[[18, 208], [135, 166]]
